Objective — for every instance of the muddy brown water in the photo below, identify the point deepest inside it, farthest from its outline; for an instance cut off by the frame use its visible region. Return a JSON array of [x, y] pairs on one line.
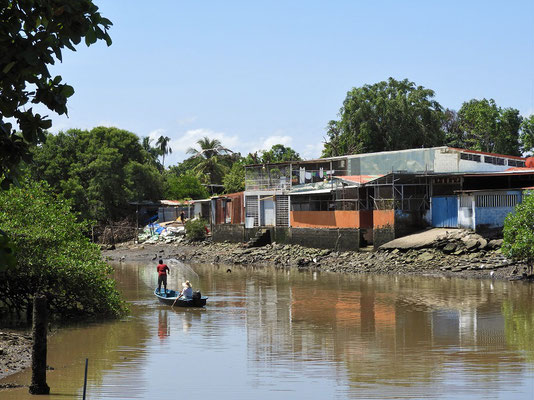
[[270, 333]]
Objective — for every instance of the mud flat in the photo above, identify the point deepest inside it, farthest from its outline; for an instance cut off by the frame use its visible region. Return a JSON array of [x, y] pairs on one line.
[[454, 254], [15, 353]]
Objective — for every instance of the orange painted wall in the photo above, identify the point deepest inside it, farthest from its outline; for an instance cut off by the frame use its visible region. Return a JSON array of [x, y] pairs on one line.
[[366, 218], [325, 219], [382, 218]]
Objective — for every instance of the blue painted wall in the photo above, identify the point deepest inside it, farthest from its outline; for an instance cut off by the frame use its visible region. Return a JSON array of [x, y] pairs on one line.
[[492, 218]]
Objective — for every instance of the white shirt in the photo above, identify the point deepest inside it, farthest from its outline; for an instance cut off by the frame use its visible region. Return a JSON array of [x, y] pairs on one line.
[[187, 292]]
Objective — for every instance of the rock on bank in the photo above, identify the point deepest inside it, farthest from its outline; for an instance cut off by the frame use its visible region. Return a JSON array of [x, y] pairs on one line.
[[461, 258]]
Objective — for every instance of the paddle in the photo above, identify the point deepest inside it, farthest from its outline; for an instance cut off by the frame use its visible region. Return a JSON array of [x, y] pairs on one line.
[[175, 300]]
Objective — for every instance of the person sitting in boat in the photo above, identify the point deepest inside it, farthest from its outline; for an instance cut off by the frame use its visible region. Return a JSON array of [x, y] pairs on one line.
[[187, 291], [162, 269]]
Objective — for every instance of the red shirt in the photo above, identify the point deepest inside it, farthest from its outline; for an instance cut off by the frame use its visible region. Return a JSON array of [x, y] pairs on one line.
[[162, 269]]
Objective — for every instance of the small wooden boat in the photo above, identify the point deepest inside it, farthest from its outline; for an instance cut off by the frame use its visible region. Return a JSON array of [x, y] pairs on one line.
[[170, 297]]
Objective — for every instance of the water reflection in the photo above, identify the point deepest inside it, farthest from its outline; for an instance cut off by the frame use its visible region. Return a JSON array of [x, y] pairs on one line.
[[267, 332]]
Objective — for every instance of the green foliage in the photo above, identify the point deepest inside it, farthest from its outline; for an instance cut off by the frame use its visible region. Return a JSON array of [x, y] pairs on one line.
[[32, 37], [100, 170], [390, 115], [279, 153], [186, 186], [527, 134], [486, 127], [163, 147], [518, 232], [234, 180], [53, 257], [195, 229], [152, 153], [213, 160]]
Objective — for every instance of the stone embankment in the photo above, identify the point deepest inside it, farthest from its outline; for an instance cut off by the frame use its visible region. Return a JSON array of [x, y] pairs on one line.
[[457, 253]]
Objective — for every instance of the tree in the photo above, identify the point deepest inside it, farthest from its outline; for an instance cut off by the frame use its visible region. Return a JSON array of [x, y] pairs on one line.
[[454, 135], [152, 152], [186, 186], [487, 127], [279, 153], [212, 157], [164, 148], [388, 115], [518, 232], [54, 257], [527, 134], [100, 170], [234, 180], [33, 35]]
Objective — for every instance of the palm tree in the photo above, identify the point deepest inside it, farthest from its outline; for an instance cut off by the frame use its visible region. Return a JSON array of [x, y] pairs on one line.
[[210, 164], [153, 152], [164, 148]]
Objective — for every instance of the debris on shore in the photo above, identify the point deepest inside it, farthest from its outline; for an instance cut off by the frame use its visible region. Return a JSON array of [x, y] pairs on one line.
[[462, 254]]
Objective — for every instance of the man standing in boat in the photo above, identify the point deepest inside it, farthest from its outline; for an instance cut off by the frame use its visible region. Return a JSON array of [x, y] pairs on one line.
[[162, 275]]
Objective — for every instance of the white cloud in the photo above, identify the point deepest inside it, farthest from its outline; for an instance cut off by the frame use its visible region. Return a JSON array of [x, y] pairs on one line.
[[312, 151], [156, 133], [190, 138], [276, 139]]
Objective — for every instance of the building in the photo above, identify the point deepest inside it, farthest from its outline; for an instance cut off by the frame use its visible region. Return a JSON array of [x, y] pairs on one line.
[[350, 201]]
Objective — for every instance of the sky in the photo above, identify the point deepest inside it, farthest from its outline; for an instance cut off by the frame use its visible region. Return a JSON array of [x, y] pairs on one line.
[[256, 73]]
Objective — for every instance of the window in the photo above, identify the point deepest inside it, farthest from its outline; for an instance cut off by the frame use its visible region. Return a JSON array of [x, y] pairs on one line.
[[516, 163], [493, 160], [470, 157], [496, 200]]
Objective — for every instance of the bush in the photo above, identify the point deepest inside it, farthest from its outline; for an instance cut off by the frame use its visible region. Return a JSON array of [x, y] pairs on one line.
[[195, 229], [518, 232], [53, 257]]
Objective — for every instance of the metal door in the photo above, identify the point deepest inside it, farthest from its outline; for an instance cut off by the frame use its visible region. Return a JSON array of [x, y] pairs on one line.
[[268, 213], [445, 212]]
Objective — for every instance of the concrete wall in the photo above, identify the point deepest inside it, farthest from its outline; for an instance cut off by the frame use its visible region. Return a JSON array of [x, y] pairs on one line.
[[232, 233], [338, 239], [383, 235]]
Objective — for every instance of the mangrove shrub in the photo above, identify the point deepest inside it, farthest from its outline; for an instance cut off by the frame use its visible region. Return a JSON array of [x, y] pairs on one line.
[[518, 232], [53, 257]]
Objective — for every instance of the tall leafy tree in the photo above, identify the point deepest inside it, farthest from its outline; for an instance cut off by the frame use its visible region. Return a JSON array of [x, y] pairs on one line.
[[212, 155], [454, 135], [234, 180], [164, 148], [388, 115], [488, 127], [185, 186], [33, 35], [152, 152], [279, 153], [100, 170], [54, 256], [527, 134]]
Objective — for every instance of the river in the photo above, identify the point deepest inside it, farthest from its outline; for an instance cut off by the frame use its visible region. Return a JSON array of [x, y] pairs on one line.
[[269, 333]]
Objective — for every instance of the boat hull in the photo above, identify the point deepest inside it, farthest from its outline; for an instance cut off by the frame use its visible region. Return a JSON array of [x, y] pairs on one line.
[[171, 299]]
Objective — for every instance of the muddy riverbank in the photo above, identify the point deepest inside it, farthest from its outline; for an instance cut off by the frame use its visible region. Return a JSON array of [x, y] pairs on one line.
[[463, 255], [15, 352]]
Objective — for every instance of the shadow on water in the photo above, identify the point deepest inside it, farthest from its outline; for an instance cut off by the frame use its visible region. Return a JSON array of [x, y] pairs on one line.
[[316, 335]]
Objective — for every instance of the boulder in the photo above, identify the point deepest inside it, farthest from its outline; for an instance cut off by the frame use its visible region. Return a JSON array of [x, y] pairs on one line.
[[449, 248], [471, 244]]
